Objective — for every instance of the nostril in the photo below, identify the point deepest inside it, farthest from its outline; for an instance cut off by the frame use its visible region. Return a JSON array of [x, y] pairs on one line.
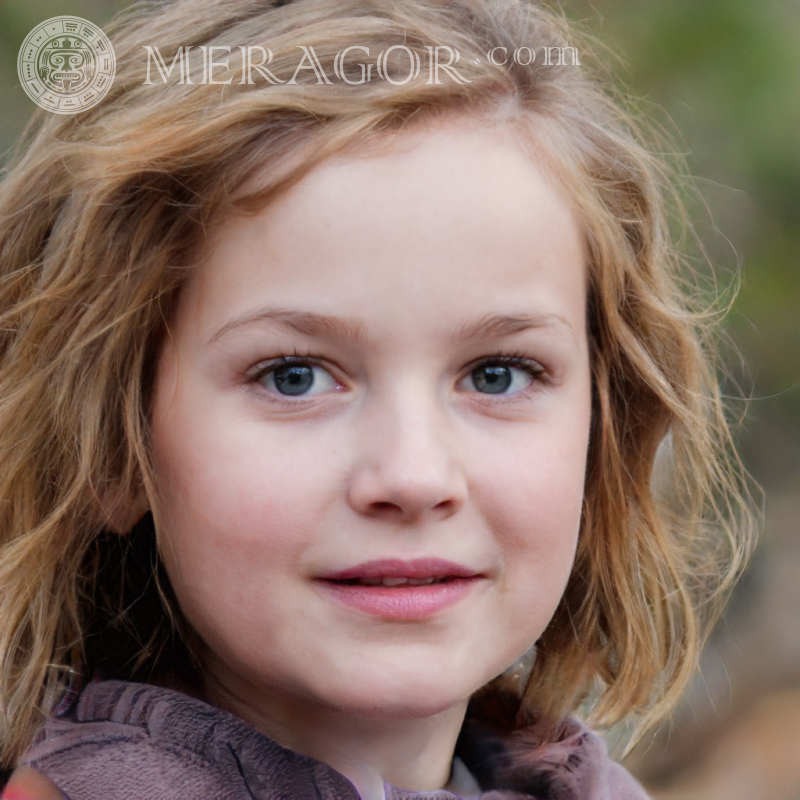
[[388, 510], [446, 507], [384, 507]]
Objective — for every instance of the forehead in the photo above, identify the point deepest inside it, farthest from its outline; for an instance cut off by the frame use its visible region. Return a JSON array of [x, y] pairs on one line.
[[446, 217]]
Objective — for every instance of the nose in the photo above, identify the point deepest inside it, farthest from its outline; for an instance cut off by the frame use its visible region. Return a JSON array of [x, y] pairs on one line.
[[407, 467]]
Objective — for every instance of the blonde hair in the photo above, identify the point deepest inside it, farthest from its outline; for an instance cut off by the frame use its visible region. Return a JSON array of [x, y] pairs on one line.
[[101, 210]]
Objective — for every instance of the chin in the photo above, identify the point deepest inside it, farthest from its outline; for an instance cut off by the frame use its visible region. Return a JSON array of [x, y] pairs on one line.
[[404, 699]]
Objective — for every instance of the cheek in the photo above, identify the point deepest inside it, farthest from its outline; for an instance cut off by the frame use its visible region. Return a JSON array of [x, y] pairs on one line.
[[534, 512], [237, 502], [230, 501], [229, 532], [531, 492], [535, 485]]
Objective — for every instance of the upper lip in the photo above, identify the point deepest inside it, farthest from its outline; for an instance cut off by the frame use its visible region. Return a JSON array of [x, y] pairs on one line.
[[398, 568]]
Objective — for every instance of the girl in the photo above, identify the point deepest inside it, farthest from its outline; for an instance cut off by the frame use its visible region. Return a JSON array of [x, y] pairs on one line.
[[355, 426]]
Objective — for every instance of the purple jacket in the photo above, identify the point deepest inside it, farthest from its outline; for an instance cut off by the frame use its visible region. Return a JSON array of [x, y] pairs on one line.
[[128, 741]]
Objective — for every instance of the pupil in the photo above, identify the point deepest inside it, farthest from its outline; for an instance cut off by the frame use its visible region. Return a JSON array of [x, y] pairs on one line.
[[294, 379], [492, 380]]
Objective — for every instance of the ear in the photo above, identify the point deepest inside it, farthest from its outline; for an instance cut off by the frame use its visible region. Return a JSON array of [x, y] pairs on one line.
[[122, 512]]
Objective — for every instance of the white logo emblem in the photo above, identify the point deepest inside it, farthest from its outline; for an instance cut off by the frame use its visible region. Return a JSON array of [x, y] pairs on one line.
[[66, 65]]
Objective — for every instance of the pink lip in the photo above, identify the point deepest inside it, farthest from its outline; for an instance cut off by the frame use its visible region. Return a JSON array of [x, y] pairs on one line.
[[402, 603], [397, 568]]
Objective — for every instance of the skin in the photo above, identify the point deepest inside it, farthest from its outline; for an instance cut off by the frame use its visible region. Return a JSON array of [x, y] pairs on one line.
[[28, 784], [395, 452]]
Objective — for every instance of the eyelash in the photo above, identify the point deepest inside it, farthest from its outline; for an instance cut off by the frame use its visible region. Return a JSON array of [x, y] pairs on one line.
[[535, 369], [532, 367], [263, 369], [537, 372]]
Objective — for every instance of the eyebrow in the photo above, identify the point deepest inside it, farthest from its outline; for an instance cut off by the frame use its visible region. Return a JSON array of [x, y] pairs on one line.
[[304, 322], [495, 326], [492, 326]]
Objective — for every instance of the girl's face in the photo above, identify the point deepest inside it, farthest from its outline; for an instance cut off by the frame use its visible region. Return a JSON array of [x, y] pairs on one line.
[[370, 429]]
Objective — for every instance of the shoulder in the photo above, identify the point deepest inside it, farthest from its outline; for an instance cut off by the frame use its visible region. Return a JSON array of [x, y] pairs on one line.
[[129, 741], [132, 740], [565, 761], [576, 766]]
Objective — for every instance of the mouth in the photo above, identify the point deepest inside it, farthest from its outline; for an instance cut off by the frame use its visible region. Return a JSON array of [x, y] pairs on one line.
[[401, 590], [396, 583]]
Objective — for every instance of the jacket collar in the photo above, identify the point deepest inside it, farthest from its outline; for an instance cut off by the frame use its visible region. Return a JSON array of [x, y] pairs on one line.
[[561, 762]]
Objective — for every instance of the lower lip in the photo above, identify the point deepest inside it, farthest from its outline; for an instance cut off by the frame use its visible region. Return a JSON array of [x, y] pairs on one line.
[[403, 602]]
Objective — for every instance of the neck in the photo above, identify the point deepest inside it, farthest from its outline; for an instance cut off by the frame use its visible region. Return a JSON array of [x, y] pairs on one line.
[[413, 754]]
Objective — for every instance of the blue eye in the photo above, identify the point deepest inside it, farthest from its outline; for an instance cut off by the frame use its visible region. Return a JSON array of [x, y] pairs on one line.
[[497, 377], [492, 379], [295, 378]]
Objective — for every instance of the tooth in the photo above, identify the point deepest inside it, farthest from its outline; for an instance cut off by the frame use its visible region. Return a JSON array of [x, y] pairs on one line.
[[420, 581], [370, 581], [394, 581]]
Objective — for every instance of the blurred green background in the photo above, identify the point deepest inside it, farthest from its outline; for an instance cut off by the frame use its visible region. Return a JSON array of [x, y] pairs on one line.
[[723, 78]]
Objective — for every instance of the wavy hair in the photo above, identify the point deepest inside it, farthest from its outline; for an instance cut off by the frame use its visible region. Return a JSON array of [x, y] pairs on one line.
[[99, 215]]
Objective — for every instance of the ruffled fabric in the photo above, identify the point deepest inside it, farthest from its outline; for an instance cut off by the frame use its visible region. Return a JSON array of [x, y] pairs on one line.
[[127, 741], [565, 761]]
